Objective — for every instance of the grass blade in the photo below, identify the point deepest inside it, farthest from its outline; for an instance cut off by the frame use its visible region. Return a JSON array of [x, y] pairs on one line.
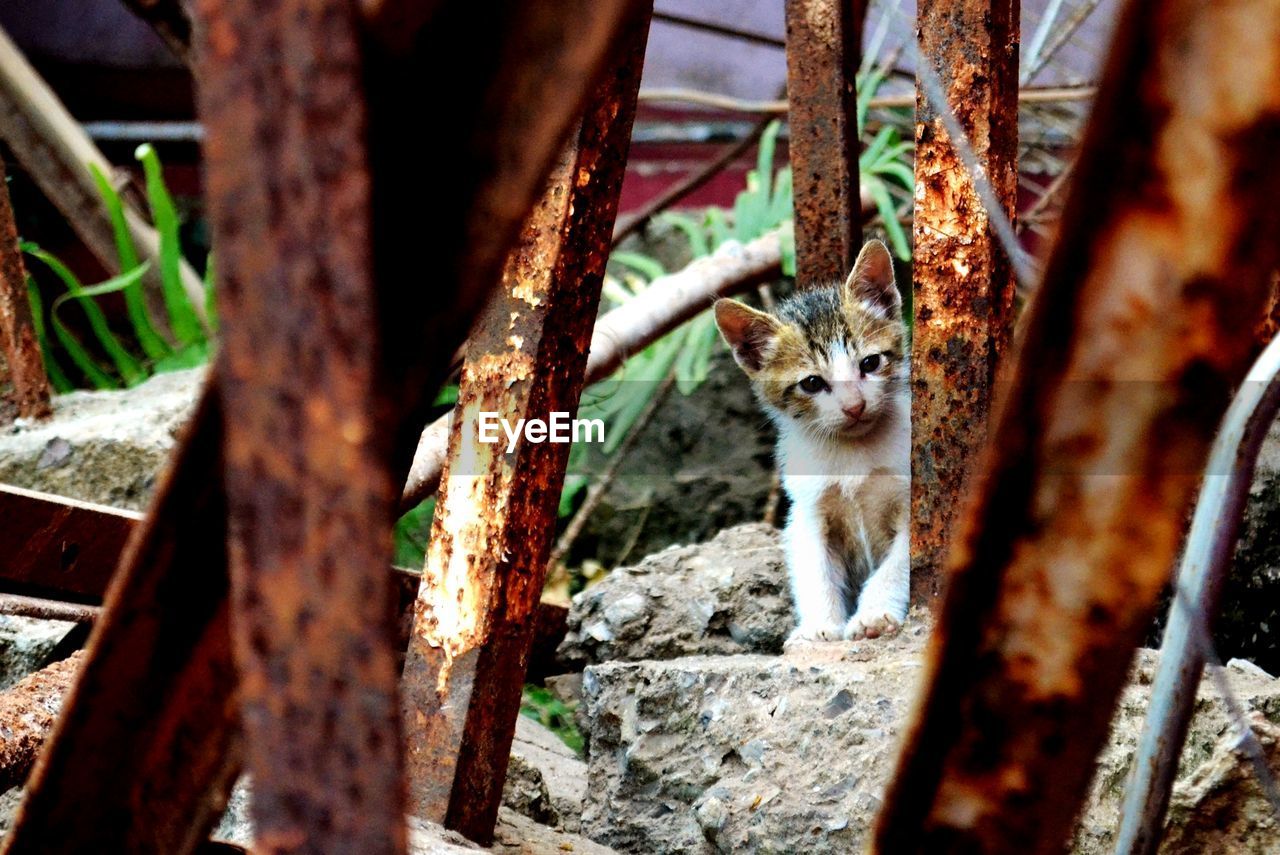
[[61, 384], [130, 369], [135, 303], [186, 326]]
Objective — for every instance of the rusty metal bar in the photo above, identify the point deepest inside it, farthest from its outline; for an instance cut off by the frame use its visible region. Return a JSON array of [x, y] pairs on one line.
[[144, 751], [824, 49], [308, 471], [496, 515], [59, 548], [963, 282], [38, 607], [1206, 562], [17, 334], [1133, 347]]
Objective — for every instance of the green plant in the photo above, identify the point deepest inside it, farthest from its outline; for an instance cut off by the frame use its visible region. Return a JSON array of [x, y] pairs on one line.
[[127, 361], [884, 167], [554, 714]]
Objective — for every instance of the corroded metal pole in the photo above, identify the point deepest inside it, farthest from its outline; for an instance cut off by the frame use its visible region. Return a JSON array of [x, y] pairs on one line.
[[824, 47], [963, 282], [1138, 334], [496, 512], [17, 334], [308, 469]]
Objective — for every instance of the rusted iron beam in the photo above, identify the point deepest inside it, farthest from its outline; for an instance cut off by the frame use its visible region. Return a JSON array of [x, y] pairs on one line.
[[308, 477], [824, 48], [18, 341], [27, 714], [496, 516], [144, 752], [964, 284], [1137, 336], [59, 548]]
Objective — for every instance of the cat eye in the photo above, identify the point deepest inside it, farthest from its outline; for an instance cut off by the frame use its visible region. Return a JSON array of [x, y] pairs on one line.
[[813, 384], [869, 363]]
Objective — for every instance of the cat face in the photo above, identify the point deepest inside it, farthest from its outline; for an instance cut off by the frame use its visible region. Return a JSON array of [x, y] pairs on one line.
[[832, 360]]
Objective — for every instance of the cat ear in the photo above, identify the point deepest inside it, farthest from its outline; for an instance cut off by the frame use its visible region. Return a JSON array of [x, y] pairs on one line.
[[747, 331], [871, 282]]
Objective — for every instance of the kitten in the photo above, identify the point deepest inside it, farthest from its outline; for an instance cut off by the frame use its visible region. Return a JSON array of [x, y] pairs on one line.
[[830, 369]]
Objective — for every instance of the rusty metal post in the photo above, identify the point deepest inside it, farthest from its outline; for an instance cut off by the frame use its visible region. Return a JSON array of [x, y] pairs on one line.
[[308, 472], [964, 285], [1138, 334], [17, 334], [824, 48], [496, 513]]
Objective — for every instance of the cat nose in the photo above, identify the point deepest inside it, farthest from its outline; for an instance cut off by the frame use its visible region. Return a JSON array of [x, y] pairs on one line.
[[854, 411]]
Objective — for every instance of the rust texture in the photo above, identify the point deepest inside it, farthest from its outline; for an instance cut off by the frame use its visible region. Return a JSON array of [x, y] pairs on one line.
[[496, 515], [824, 47], [17, 335], [1137, 337], [59, 548], [963, 282], [27, 713], [144, 753], [307, 458]]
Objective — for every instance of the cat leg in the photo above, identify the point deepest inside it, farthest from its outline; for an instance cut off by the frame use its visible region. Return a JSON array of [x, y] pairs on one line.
[[817, 583], [882, 605]]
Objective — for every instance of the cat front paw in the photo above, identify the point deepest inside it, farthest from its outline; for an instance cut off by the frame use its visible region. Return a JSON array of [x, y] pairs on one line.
[[813, 632], [862, 626]]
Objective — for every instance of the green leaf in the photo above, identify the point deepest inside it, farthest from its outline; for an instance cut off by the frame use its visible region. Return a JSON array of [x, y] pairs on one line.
[[648, 267], [135, 302], [695, 356], [61, 384], [412, 535], [718, 226], [191, 356], [872, 152], [446, 397], [764, 157], [130, 369], [889, 215], [182, 317], [901, 172], [787, 247], [867, 88], [780, 208], [693, 232]]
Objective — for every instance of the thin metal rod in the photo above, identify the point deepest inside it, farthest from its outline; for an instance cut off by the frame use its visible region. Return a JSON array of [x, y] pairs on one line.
[[38, 607], [719, 29], [1210, 547]]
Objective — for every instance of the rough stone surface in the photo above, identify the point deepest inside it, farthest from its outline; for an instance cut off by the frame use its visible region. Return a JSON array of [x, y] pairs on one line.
[[765, 754], [104, 447], [546, 781], [25, 645], [728, 595]]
